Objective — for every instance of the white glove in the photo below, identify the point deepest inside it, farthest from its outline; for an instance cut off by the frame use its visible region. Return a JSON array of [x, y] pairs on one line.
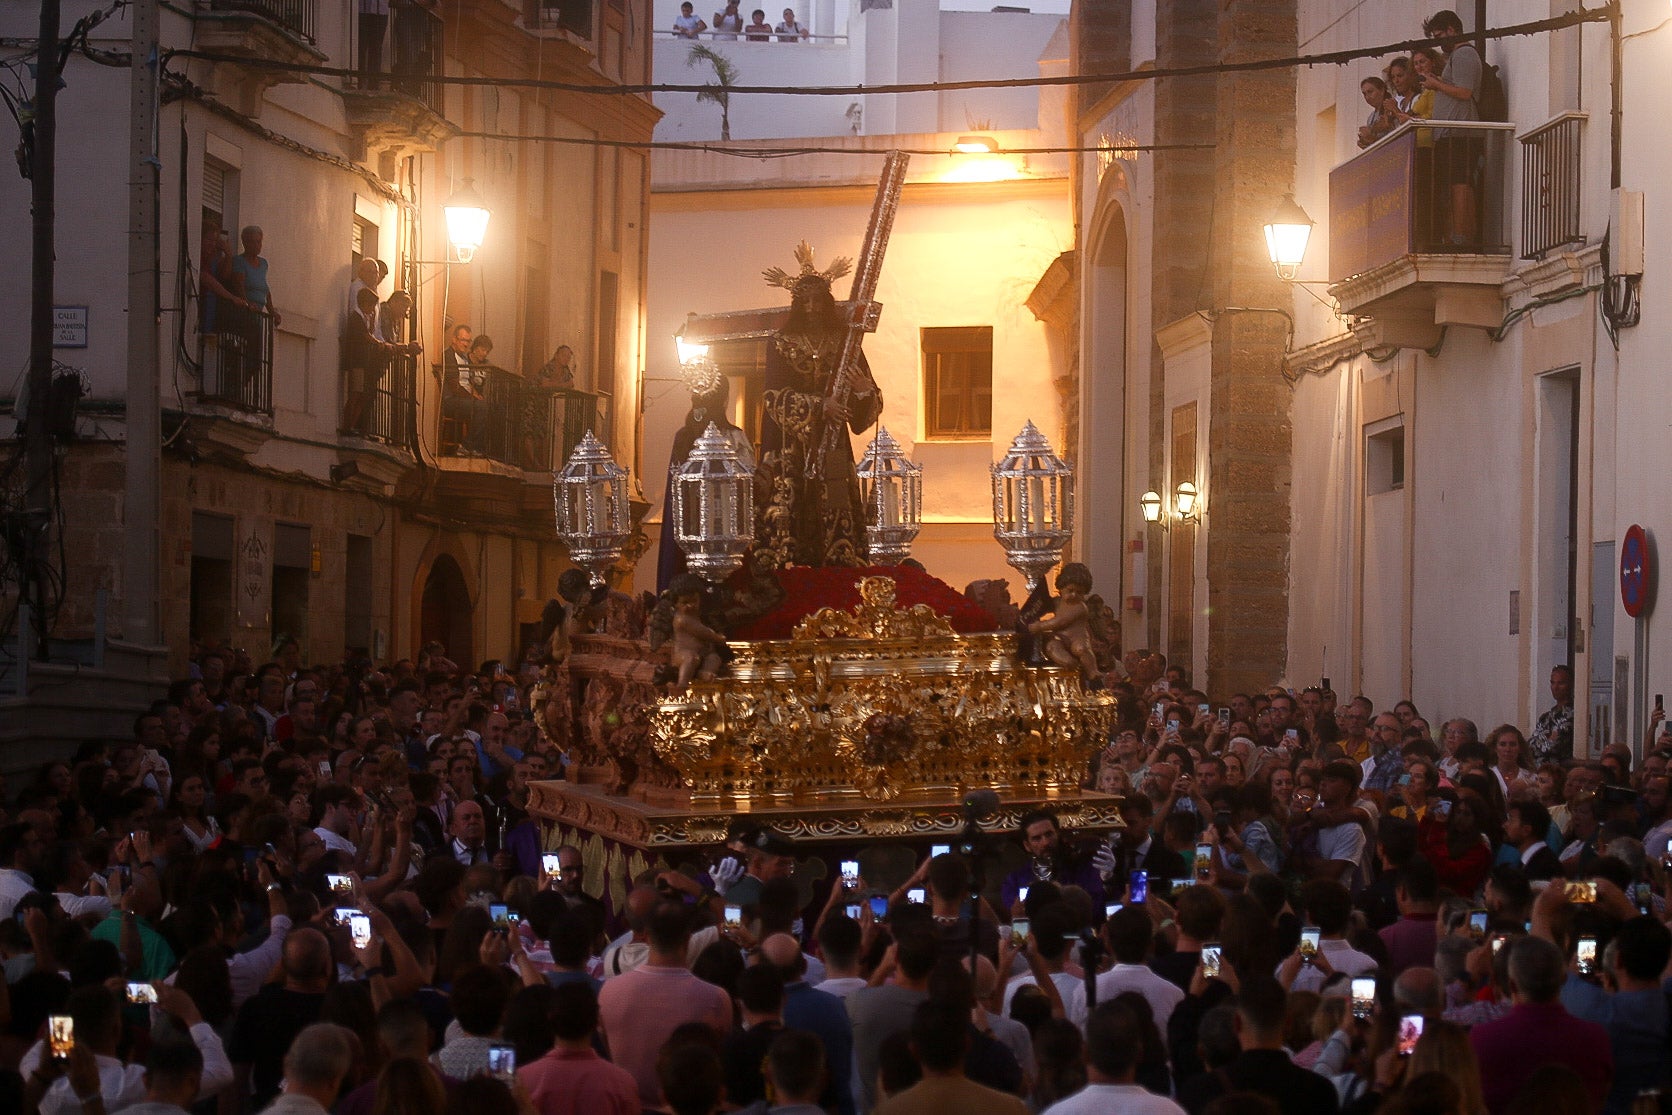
[[1104, 860], [726, 873]]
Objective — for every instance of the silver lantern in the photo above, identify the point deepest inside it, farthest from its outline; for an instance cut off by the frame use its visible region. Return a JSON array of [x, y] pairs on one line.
[[891, 485], [590, 497], [712, 496], [1033, 505]]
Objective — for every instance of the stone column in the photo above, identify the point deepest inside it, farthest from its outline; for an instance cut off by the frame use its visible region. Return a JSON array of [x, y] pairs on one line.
[[1249, 437]]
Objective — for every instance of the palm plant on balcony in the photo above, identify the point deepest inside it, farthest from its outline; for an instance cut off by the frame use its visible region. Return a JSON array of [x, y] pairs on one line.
[[717, 91]]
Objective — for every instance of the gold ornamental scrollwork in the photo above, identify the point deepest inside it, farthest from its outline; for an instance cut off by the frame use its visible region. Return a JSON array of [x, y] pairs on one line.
[[879, 704]]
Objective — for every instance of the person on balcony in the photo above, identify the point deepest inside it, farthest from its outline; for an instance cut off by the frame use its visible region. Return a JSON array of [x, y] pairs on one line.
[[366, 359], [758, 30], [1457, 152], [1384, 111], [461, 392], [790, 31], [688, 24], [729, 22]]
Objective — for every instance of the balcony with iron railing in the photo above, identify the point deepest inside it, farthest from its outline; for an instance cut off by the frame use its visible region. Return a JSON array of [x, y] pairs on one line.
[[564, 17], [381, 405], [295, 16], [516, 422], [1418, 231], [238, 364], [393, 104], [260, 31]]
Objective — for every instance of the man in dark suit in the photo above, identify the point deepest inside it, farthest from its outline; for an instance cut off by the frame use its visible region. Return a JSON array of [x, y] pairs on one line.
[[1263, 1066], [1525, 827]]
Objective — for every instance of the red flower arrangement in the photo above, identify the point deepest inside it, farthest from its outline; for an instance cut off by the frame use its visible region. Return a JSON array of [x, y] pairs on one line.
[[807, 589]]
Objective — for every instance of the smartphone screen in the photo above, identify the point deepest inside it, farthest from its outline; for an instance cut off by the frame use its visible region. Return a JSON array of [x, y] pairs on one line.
[[360, 930], [141, 993], [1021, 894], [1172, 725], [340, 883], [1204, 860], [1111, 909], [850, 872], [1498, 944], [325, 768], [1019, 930], [939, 850], [1582, 890], [497, 911], [1139, 884], [1364, 996], [548, 864], [1291, 733], [1225, 717], [853, 911], [1211, 953], [1586, 955], [1309, 936], [60, 1035], [343, 915], [734, 917], [502, 1062], [1642, 895], [1182, 884], [1203, 709], [915, 896], [1477, 924], [879, 906], [1410, 1032]]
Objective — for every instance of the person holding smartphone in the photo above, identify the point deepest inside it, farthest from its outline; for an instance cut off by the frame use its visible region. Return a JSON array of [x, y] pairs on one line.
[[1328, 907], [1051, 858]]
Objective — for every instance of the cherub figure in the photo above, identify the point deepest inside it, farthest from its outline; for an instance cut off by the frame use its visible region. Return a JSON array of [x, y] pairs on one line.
[[696, 646], [1068, 629]]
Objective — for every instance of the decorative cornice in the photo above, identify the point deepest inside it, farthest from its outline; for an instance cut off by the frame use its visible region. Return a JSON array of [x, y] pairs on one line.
[[1557, 273], [1321, 356]]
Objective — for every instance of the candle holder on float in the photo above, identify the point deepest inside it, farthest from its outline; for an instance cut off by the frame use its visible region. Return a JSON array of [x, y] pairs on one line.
[[891, 485], [589, 497], [1033, 505]]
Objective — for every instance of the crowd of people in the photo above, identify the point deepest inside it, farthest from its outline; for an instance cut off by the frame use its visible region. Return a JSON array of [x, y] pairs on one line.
[[302, 890], [729, 26]]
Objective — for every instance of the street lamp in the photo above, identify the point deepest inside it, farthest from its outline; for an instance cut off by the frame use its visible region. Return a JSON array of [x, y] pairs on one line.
[[467, 221], [1150, 504], [1188, 502], [975, 145], [712, 501], [1287, 232]]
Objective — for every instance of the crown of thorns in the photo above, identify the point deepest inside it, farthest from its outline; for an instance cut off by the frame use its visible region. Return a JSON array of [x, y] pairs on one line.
[[777, 276]]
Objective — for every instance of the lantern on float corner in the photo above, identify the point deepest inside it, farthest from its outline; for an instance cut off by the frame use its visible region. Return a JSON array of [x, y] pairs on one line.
[[590, 499], [1033, 505], [712, 499], [891, 485]]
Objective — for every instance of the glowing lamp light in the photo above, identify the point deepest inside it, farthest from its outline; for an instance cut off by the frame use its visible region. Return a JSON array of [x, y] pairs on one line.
[[975, 145], [688, 350], [1033, 505], [467, 221], [1150, 504], [1187, 499], [1287, 232], [590, 499]]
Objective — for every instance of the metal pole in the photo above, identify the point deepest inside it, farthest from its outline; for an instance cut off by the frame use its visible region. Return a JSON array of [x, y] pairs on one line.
[[141, 500], [37, 436]]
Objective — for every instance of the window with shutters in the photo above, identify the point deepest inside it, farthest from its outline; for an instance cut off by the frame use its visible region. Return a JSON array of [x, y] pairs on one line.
[[362, 243], [220, 198], [958, 382]]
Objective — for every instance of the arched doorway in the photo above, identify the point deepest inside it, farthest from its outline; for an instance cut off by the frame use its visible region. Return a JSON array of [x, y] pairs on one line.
[[444, 612]]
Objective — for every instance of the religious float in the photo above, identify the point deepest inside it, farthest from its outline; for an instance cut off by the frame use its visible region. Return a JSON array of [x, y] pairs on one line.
[[799, 672]]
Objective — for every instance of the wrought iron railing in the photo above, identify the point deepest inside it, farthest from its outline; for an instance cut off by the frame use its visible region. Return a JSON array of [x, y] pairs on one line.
[[1550, 156], [295, 16], [408, 54], [238, 363], [388, 412], [520, 423]]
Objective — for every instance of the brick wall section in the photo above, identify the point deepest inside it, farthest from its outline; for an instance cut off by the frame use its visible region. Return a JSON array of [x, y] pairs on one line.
[[1185, 35], [1249, 438], [1100, 42]]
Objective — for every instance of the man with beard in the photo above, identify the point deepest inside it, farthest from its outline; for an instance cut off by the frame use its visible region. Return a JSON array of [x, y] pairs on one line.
[[1050, 859]]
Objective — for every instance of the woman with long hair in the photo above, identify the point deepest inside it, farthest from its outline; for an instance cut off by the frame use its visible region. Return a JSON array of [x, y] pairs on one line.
[[409, 1087], [1444, 1048], [1456, 843], [1509, 751], [189, 800]]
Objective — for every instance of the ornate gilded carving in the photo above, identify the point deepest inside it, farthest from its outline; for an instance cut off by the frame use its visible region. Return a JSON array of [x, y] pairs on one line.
[[878, 704]]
